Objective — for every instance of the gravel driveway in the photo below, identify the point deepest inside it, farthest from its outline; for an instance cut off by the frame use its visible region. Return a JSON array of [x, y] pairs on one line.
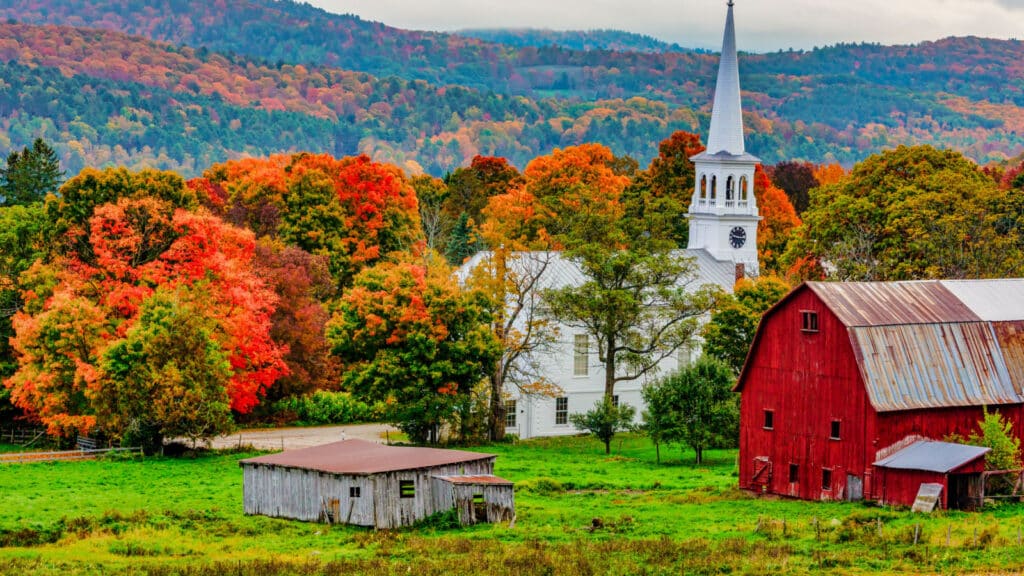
[[289, 438]]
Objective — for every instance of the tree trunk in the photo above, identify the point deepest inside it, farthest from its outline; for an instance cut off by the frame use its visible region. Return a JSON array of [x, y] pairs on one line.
[[609, 368], [700, 454], [657, 452], [608, 446], [496, 423]]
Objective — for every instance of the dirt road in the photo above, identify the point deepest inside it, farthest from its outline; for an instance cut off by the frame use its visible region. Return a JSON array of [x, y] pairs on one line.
[[289, 438]]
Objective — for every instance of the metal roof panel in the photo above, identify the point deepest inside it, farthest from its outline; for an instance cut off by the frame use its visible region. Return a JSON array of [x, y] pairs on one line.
[[932, 456], [992, 300], [909, 367], [889, 303]]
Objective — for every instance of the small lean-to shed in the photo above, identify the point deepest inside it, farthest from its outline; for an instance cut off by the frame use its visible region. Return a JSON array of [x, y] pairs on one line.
[[478, 499], [359, 482], [955, 467]]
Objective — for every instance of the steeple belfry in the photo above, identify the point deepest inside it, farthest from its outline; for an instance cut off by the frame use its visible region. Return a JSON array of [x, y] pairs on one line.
[[726, 134], [723, 211]]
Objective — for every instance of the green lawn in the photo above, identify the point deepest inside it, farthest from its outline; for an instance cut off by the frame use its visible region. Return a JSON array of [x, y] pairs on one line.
[[183, 516]]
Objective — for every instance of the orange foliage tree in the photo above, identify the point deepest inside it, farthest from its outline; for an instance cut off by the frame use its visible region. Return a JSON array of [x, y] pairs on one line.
[[778, 220]]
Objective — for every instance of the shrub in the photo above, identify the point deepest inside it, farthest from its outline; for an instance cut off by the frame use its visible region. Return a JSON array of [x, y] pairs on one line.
[[323, 407]]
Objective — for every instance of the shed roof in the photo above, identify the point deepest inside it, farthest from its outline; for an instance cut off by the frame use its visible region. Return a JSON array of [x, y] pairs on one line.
[[477, 479], [360, 457], [933, 456]]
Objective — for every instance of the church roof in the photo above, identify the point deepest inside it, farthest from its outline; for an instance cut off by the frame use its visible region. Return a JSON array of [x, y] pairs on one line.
[[726, 133], [561, 271]]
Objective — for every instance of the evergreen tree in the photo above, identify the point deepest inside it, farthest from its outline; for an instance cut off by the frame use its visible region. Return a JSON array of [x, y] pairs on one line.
[[462, 243], [30, 175]]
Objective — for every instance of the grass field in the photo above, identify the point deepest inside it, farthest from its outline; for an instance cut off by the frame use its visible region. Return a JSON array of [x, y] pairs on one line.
[[183, 516]]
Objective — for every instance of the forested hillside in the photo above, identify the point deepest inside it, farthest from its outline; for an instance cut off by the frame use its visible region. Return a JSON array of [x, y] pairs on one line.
[[265, 76], [615, 40]]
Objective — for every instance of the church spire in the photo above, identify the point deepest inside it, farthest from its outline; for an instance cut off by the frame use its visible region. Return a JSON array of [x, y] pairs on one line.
[[726, 134]]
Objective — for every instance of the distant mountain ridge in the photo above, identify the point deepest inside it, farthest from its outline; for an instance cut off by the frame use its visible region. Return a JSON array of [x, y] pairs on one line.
[[585, 40], [838, 103]]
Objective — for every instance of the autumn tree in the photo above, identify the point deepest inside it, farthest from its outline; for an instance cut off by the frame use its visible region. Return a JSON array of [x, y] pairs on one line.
[[80, 303], [470, 188], [795, 179], [352, 210], [695, 406], [910, 213], [303, 285], [778, 222], [431, 194], [30, 175], [660, 196], [735, 317], [411, 337], [166, 377]]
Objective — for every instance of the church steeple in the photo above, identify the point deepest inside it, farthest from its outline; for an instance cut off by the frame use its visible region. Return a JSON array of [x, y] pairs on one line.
[[723, 211], [726, 134]]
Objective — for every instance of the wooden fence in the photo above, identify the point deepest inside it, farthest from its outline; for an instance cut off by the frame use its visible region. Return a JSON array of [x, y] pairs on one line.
[[28, 457], [21, 436]]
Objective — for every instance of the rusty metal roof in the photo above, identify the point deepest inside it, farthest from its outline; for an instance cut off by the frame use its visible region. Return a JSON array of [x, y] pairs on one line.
[[888, 303], [478, 479], [360, 457], [932, 456], [908, 367]]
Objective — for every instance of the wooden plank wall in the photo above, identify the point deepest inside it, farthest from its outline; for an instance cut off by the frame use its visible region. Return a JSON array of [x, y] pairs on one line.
[[302, 494]]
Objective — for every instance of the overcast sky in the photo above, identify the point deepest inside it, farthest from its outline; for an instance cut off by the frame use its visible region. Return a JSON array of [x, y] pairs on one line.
[[762, 25]]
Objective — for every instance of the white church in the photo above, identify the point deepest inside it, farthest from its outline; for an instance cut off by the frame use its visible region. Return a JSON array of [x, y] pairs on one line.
[[723, 220]]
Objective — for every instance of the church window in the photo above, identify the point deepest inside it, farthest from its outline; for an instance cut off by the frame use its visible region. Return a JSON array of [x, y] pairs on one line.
[[703, 186], [743, 188], [561, 410], [714, 187], [729, 188], [580, 355]]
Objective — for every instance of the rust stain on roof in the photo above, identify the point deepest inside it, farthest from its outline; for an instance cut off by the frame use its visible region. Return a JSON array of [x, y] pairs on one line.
[[908, 367], [478, 479], [360, 457], [889, 303]]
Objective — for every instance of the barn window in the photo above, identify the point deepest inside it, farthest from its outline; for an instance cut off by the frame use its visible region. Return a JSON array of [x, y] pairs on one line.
[[808, 321], [826, 478], [354, 492], [794, 473], [769, 419], [407, 488], [510, 413], [834, 433], [561, 410], [580, 355]]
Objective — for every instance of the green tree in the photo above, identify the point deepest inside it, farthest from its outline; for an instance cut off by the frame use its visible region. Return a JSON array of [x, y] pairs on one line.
[[605, 420], [414, 340], [639, 304], [996, 432], [911, 213], [168, 377], [30, 175], [463, 242], [735, 317], [695, 406]]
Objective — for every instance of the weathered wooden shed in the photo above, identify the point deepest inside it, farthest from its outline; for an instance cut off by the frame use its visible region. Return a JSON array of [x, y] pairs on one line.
[[956, 468], [370, 484], [842, 375]]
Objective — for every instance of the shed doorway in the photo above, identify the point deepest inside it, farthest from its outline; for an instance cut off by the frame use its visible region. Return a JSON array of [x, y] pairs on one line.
[[959, 491]]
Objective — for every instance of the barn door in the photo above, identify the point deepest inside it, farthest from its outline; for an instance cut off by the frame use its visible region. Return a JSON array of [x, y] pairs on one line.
[[854, 488], [762, 477]]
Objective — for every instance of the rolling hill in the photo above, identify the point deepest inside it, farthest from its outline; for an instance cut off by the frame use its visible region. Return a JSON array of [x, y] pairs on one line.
[[296, 77]]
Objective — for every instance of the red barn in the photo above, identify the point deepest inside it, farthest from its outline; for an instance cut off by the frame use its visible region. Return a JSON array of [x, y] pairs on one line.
[[844, 378]]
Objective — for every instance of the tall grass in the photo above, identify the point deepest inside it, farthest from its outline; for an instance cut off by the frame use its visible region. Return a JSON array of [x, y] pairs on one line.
[[578, 512]]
